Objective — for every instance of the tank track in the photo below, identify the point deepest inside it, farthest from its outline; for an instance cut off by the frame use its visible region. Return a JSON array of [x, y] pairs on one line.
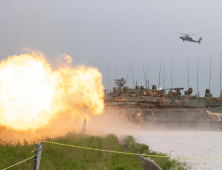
[[185, 126], [135, 115]]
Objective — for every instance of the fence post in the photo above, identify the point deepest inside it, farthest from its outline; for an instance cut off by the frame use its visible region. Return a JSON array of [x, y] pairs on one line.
[[37, 158], [84, 126]]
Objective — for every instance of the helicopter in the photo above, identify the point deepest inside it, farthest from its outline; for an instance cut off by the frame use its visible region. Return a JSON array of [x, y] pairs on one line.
[[188, 38]]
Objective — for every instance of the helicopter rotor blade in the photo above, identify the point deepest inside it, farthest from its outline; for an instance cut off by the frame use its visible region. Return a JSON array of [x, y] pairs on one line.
[[182, 33], [186, 34]]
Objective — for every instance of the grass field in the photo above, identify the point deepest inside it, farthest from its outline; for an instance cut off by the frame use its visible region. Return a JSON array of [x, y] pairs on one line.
[[57, 157]]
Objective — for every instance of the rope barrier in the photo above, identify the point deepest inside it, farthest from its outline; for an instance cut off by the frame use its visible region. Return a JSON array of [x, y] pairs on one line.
[[128, 153], [19, 162]]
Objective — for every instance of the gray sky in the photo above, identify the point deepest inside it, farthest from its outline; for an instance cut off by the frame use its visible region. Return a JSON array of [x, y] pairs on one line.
[[102, 33]]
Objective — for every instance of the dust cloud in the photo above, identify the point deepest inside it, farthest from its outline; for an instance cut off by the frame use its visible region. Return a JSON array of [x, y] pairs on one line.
[[106, 123], [111, 123]]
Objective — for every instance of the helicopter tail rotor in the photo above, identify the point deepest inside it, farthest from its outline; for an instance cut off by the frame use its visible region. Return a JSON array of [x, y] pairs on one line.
[[200, 40]]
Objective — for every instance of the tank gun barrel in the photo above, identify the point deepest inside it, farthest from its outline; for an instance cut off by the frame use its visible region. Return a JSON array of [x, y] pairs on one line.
[[156, 101], [176, 89]]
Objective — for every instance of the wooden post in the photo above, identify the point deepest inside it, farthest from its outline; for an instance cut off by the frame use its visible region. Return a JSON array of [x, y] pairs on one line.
[[37, 158], [84, 126]]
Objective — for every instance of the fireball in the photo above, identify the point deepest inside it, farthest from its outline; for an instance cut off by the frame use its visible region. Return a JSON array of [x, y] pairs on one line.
[[31, 93]]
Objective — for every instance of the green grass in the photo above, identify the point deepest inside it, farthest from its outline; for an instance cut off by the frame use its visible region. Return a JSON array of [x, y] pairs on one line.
[[68, 158], [164, 162], [57, 157]]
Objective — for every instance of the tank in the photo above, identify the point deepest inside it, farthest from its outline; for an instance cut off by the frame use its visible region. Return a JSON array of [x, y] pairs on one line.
[[158, 110]]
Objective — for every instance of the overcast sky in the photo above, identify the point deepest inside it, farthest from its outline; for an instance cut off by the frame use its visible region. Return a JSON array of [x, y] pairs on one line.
[[102, 33]]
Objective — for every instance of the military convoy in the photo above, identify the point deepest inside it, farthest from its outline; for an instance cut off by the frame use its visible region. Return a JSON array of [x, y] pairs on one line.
[[155, 109]]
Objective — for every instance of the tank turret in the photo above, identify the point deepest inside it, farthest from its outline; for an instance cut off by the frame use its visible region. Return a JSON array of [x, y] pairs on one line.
[[188, 92], [120, 82], [207, 93], [177, 91]]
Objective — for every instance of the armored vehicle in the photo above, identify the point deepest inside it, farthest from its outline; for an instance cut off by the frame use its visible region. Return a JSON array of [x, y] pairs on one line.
[[172, 111]]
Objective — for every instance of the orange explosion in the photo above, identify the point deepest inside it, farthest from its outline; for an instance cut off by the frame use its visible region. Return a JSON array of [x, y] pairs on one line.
[[31, 93]]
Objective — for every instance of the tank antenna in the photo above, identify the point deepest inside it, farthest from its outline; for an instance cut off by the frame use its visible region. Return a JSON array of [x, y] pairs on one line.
[[148, 83], [108, 79], [188, 74], [171, 76], [163, 74], [128, 72], [115, 71], [133, 76], [102, 74], [210, 72], [159, 73], [144, 73], [197, 76], [220, 74]]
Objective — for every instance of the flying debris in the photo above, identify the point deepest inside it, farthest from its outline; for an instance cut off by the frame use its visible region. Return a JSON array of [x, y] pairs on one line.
[[188, 38]]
